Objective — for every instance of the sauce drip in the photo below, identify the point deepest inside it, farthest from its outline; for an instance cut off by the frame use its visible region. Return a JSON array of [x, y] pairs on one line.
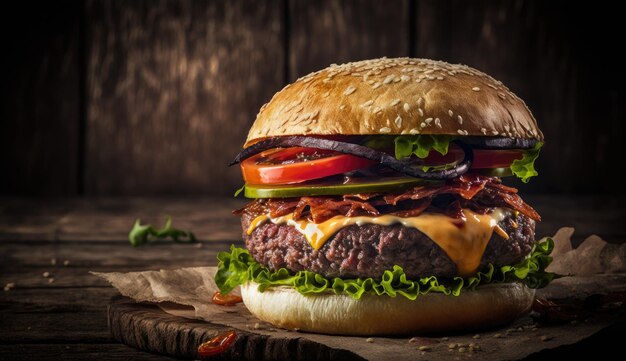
[[217, 344], [225, 299]]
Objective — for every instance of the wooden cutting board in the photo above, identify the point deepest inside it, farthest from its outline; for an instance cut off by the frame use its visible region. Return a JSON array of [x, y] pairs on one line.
[[148, 327]]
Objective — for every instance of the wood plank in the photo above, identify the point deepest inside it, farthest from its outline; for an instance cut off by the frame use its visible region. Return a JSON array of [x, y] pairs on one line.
[[541, 51], [26, 263], [38, 315], [147, 327], [172, 88], [84, 351], [39, 98], [332, 31], [110, 219]]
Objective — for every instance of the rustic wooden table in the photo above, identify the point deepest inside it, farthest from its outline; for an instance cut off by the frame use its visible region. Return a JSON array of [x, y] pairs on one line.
[[64, 316]]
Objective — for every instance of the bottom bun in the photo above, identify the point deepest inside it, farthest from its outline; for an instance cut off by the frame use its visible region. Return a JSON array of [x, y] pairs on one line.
[[487, 306]]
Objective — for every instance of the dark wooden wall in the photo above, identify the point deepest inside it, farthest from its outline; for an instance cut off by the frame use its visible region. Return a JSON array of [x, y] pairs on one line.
[[154, 97]]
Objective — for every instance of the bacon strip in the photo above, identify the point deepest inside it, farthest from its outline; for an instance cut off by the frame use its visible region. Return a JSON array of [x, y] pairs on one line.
[[480, 193]]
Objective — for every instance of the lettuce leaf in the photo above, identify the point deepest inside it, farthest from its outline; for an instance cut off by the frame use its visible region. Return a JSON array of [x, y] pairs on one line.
[[421, 145], [142, 234], [524, 168], [237, 267]]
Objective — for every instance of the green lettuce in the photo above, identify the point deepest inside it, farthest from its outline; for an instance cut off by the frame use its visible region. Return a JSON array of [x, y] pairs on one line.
[[420, 145], [237, 267], [524, 168], [142, 234]]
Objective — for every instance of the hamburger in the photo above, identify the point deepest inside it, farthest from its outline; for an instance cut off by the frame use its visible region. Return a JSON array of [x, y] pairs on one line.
[[378, 205]]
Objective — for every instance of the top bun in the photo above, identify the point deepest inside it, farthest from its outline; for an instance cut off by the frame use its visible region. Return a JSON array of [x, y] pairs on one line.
[[395, 96]]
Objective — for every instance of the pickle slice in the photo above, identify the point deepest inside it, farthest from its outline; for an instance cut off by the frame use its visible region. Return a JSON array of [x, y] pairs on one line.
[[364, 185]]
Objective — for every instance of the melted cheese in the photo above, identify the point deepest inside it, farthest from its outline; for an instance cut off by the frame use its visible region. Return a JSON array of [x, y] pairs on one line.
[[463, 242]]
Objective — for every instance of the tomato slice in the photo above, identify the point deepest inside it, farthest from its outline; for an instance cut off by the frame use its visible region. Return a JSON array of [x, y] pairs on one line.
[[483, 158], [298, 164]]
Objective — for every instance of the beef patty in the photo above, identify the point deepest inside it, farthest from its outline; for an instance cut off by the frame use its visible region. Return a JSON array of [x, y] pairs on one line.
[[370, 249]]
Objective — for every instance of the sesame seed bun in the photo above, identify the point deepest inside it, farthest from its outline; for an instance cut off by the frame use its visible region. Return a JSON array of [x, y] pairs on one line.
[[395, 96], [487, 306]]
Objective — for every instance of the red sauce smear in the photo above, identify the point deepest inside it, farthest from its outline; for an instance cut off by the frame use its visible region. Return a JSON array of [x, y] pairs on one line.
[[225, 300], [217, 344]]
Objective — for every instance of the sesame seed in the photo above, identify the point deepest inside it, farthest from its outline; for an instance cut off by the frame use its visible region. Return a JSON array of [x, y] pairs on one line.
[[349, 90], [53, 261], [422, 125], [413, 340], [492, 86], [475, 337], [476, 89], [494, 132], [439, 78], [257, 326], [46, 274], [385, 130], [428, 120], [405, 78], [425, 348], [501, 95], [51, 280], [369, 340], [418, 80], [342, 107], [462, 349], [420, 102], [420, 111], [507, 128], [497, 335], [370, 82], [431, 77], [395, 102], [460, 132], [450, 113], [438, 123], [460, 119], [388, 79], [396, 79], [545, 338], [414, 131], [406, 107], [452, 346], [444, 339], [377, 110], [66, 263], [376, 86], [398, 121], [429, 71], [484, 131], [367, 103]]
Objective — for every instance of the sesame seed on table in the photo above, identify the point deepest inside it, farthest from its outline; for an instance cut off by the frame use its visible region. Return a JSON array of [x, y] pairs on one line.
[[65, 239]]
